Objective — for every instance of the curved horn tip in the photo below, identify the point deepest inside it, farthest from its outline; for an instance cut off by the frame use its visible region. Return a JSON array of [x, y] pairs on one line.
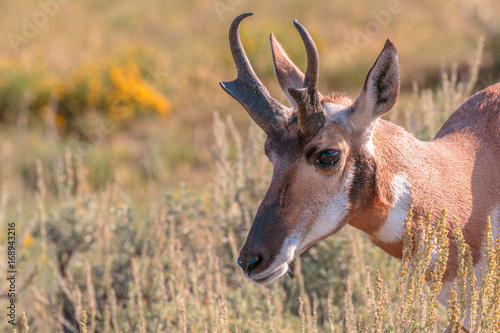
[[298, 26], [236, 22], [241, 17], [302, 31]]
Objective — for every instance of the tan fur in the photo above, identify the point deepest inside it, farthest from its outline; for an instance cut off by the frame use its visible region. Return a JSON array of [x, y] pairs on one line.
[[380, 169], [459, 170]]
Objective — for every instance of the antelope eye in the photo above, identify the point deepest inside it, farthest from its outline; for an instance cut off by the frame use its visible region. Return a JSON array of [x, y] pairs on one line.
[[328, 158]]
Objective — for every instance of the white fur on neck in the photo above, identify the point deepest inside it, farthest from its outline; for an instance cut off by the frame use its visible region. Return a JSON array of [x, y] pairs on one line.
[[393, 229], [368, 145], [332, 213]]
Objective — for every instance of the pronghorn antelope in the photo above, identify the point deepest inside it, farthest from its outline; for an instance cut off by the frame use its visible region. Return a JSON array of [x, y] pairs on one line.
[[336, 162]]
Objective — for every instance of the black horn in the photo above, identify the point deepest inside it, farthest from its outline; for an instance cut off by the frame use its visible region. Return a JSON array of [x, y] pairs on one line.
[[310, 112], [247, 89]]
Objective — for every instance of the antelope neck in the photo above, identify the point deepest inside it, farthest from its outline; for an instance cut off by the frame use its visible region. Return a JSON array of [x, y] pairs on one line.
[[409, 173]]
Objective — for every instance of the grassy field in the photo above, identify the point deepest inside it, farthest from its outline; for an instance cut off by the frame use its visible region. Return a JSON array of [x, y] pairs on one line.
[[132, 178]]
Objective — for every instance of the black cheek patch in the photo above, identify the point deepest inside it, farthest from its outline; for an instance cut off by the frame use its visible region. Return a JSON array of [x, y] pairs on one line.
[[363, 187]]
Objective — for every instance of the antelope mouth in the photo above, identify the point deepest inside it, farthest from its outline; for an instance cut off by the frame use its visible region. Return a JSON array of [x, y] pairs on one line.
[[280, 263], [266, 278], [279, 267]]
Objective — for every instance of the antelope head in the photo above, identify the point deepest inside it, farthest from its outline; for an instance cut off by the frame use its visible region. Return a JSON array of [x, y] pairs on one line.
[[321, 151]]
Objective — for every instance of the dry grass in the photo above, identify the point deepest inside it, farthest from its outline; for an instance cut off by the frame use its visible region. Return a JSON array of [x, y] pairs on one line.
[[181, 50], [90, 265]]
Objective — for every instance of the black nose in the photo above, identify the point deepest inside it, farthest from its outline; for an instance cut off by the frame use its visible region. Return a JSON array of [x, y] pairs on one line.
[[250, 264]]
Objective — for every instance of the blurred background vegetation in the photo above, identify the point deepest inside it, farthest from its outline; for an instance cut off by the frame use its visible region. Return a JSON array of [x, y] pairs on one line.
[[106, 106], [153, 68]]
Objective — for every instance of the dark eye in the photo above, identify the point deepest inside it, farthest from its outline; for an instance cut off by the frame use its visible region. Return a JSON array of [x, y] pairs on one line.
[[328, 158]]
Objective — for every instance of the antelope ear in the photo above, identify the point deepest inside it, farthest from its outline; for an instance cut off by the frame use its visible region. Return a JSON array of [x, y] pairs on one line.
[[380, 91], [289, 76]]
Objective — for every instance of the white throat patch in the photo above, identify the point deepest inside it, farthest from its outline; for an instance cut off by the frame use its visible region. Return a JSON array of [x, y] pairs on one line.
[[332, 213], [393, 229], [368, 146]]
